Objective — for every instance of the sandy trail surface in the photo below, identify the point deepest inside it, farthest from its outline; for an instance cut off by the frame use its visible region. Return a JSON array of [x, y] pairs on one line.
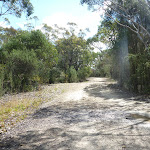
[[92, 115]]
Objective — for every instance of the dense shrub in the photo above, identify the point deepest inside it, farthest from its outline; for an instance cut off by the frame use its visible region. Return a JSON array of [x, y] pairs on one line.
[[21, 67], [28, 59], [83, 73], [1, 79], [72, 75], [54, 75]]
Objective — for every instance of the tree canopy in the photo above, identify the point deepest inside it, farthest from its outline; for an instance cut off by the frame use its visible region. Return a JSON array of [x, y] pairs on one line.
[[125, 30], [15, 7], [29, 58], [131, 14], [58, 54]]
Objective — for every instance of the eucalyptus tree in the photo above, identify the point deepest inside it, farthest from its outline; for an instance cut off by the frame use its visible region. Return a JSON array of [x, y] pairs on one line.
[[15, 7], [134, 13], [6, 33], [125, 29], [74, 52]]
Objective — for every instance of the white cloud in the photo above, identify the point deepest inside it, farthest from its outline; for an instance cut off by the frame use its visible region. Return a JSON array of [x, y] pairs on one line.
[[4, 24], [39, 27], [89, 20], [21, 25], [99, 46]]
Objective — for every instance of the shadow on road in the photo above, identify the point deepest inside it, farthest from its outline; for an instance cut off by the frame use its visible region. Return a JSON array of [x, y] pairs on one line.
[[112, 91], [81, 125], [50, 140], [75, 131]]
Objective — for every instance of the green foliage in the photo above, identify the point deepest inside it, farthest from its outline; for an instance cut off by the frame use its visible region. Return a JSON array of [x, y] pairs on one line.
[[140, 72], [127, 61], [74, 53], [28, 58], [54, 75], [2, 67], [16, 7], [62, 77], [125, 30], [6, 33], [103, 64], [72, 75], [83, 73], [22, 65], [31, 59]]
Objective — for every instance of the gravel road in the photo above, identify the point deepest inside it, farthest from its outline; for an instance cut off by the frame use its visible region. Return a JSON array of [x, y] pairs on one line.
[[92, 115]]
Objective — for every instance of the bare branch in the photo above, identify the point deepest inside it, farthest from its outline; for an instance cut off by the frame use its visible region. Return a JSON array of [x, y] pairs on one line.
[[121, 23]]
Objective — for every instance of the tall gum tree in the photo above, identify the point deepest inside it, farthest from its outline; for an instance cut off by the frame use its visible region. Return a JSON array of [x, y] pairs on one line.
[[135, 14]]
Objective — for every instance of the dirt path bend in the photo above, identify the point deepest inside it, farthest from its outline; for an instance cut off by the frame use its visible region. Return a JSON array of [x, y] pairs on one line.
[[86, 116]]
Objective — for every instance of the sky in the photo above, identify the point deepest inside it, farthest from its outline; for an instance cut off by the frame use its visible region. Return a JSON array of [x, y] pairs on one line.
[[60, 12]]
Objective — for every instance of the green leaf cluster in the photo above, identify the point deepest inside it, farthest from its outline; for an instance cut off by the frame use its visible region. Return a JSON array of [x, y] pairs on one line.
[[28, 59]]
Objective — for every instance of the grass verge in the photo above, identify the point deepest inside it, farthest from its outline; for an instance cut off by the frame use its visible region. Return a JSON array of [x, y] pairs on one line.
[[16, 110]]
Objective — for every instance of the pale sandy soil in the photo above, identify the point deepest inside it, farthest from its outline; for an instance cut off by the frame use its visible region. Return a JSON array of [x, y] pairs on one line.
[[84, 116]]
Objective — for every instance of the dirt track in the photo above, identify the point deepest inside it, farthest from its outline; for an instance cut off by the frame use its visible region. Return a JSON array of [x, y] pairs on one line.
[[85, 116]]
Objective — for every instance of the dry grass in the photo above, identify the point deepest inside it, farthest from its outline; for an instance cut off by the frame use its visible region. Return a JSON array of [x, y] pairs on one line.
[[16, 110], [18, 107]]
